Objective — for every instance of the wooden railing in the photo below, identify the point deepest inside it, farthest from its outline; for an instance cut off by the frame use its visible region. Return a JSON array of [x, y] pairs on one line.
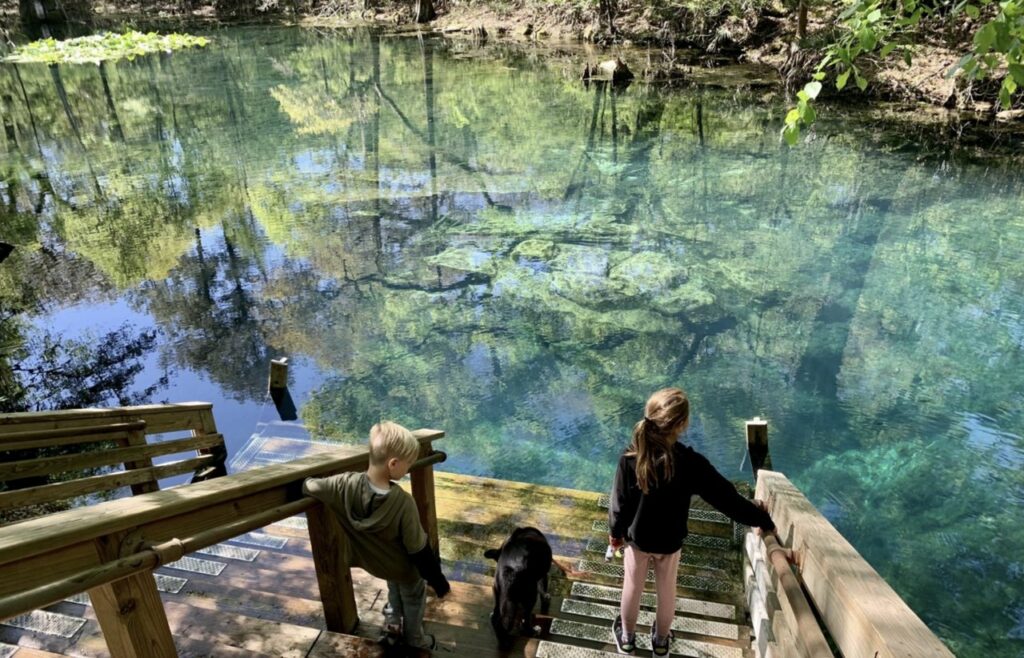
[[110, 549], [860, 612]]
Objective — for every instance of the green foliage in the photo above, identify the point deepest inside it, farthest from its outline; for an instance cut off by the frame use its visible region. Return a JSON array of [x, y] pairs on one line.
[[103, 47], [997, 49]]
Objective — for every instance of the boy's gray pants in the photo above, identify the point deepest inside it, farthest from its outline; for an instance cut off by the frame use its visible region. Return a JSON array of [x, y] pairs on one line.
[[407, 604]]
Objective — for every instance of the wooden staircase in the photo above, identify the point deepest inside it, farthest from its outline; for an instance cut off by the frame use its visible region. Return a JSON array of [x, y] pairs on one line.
[[256, 595]]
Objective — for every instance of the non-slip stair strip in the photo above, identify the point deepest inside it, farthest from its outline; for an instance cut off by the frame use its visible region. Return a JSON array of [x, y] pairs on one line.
[[197, 565], [679, 647], [548, 649], [294, 522], [613, 570], [709, 515], [701, 541], [168, 584], [688, 558], [230, 552], [7, 650], [49, 623], [261, 539], [682, 624], [648, 600]]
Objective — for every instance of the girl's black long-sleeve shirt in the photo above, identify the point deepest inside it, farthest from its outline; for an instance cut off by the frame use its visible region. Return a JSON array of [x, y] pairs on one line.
[[656, 521]]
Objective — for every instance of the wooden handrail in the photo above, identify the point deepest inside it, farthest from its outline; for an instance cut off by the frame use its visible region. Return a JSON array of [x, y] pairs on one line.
[[808, 633], [60, 547], [145, 560]]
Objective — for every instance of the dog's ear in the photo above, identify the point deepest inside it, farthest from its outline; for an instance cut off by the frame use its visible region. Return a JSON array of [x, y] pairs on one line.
[[492, 553]]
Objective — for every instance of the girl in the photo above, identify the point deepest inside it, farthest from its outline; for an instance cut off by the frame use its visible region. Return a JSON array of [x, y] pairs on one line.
[[650, 504]]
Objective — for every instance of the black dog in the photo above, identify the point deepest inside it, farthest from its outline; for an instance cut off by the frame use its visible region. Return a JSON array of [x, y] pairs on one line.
[[523, 563]]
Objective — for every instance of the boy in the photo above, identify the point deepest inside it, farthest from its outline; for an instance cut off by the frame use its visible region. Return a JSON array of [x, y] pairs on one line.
[[383, 531]]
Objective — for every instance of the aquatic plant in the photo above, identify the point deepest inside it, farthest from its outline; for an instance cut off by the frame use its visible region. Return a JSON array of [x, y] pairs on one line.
[[97, 48]]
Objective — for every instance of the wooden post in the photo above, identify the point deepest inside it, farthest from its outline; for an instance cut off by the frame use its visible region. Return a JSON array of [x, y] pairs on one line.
[[279, 373], [138, 438], [757, 444], [332, 571], [130, 612], [207, 425], [423, 494]]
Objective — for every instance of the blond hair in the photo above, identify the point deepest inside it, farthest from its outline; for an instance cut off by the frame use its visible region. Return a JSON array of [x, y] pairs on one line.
[[665, 414], [388, 440]]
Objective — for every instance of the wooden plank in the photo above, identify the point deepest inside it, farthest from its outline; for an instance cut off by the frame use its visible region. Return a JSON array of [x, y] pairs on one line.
[[422, 484], [51, 465], [159, 417], [110, 481], [137, 438], [332, 571], [863, 614], [67, 436]]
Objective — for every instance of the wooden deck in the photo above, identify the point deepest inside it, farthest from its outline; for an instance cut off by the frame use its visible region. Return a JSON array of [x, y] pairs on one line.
[[257, 595]]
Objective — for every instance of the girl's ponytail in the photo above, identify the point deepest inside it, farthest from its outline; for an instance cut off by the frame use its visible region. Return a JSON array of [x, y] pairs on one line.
[[665, 413]]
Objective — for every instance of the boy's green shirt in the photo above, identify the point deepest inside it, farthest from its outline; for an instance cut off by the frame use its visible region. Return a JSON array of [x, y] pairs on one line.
[[382, 530]]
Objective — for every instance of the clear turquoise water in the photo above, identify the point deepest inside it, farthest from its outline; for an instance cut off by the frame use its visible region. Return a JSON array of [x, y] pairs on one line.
[[481, 244]]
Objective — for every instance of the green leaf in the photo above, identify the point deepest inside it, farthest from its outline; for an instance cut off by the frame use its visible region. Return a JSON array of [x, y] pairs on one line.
[[1017, 71], [985, 38], [1009, 85], [908, 58], [875, 16], [972, 11], [812, 89], [862, 84], [886, 49], [868, 39], [962, 64], [820, 75], [842, 78], [792, 117], [1004, 98], [809, 115], [791, 134]]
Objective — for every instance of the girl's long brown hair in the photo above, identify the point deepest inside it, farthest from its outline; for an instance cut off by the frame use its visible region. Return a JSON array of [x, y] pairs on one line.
[[665, 413]]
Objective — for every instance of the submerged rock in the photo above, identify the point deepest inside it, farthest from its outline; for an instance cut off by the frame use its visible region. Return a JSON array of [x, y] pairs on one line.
[[615, 70]]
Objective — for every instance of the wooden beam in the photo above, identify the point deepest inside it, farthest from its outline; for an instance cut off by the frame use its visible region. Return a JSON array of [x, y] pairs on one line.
[[131, 613], [67, 435], [279, 373], [82, 486], [757, 444], [50, 465], [423, 494], [333, 574], [159, 417]]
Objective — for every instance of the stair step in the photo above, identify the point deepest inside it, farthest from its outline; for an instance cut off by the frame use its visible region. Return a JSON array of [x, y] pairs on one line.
[[719, 561], [689, 581], [331, 645], [648, 600], [260, 539], [47, 623], [699, 541], [679, 647], [682, 624], [8, 650], [219, 628], [549, 649]]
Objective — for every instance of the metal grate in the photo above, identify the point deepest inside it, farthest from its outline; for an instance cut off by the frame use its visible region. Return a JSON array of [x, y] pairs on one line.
[[49, 623], [261, 539], [703, 541], [230, 552], [684, 605], [702, 561], [646, 618], [169, 584], [603, 634], [294, 522], [683, 580], [197, 565], [548, 649], [7, 650]]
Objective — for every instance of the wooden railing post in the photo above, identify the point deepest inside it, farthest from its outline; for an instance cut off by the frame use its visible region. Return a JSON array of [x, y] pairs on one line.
[[757, 444], [423, 493], [130, 612], [332, 570]]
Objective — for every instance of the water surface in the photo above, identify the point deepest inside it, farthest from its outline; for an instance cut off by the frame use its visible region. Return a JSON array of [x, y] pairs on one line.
[[484, 245]]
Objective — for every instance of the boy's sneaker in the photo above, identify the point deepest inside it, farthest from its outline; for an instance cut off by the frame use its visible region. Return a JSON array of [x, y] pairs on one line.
[[660, 644], [626, 642]]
